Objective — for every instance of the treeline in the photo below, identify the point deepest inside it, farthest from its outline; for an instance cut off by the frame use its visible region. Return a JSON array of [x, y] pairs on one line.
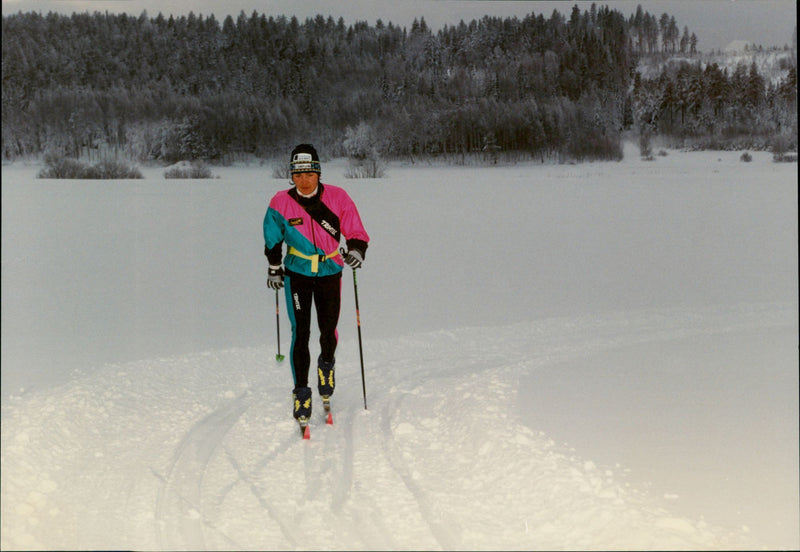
[[189, 87], [710, 108]]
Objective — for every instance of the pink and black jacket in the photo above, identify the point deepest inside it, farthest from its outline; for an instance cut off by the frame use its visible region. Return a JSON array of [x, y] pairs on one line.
[[312, 229]]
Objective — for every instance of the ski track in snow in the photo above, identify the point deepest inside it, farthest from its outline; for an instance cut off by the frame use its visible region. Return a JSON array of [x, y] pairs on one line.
[[221, 455], [181, 492]]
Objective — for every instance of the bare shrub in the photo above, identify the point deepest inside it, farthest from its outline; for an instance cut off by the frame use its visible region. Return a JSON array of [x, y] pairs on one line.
[[364, 160], [780, 146], [370, 167], [281, 170], [108, 169], [192, 171]]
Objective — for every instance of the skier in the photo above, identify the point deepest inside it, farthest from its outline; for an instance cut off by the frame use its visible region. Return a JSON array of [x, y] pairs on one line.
[[311, 218]]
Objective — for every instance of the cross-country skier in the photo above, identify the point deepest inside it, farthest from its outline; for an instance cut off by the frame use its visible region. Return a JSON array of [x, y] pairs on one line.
[[311, 218]]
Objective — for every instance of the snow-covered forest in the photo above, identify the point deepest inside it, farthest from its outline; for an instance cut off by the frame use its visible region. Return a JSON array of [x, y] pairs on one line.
[[565, 86]]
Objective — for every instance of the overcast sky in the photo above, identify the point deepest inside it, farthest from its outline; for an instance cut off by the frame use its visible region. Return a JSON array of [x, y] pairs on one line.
[[715, 22]]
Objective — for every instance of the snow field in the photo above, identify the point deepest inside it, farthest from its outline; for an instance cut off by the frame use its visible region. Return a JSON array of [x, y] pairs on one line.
[[221, 466], [597, 356]]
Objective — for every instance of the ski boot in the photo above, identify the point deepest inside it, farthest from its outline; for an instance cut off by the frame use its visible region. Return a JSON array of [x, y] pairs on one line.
[[326, 381], [302, 406]]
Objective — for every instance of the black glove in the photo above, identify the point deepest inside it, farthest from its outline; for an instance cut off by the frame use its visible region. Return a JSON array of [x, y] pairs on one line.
[[354, 258], [275, 277]]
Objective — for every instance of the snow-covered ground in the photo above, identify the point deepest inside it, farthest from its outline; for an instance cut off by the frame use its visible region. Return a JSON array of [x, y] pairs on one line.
[[557, 357]]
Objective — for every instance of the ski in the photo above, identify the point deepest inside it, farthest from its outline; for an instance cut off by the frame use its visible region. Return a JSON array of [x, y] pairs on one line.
[[326, 404], [305, 431]]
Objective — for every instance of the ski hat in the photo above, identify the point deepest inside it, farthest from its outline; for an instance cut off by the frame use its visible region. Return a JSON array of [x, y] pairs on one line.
[[305, 159]]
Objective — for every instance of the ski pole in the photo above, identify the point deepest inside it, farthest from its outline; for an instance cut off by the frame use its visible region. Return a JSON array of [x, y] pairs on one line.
[[360, 349], [279, 357]]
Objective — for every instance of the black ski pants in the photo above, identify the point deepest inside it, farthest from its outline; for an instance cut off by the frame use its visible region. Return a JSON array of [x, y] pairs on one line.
[[326, 294]]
